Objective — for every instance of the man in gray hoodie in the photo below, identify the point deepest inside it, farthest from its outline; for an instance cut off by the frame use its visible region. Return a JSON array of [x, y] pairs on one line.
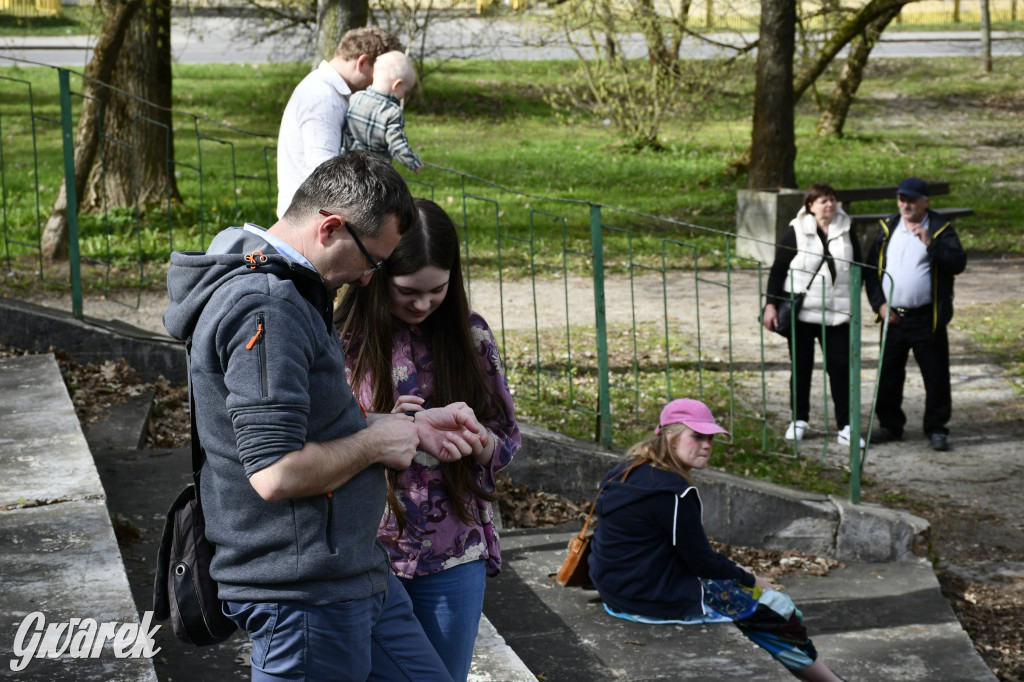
[[293, 486]]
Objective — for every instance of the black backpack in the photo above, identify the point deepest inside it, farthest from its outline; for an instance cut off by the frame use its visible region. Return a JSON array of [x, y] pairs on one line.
[[183, 590]]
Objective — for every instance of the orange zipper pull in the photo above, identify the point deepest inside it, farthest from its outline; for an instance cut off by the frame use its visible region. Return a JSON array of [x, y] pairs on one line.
[[255, 338]]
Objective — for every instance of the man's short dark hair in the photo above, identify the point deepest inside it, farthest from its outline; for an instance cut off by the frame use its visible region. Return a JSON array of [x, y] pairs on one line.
[[369, 40], [361, 186]]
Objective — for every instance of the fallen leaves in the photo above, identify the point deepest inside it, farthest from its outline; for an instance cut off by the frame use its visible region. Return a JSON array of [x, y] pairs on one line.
[[991, 612]]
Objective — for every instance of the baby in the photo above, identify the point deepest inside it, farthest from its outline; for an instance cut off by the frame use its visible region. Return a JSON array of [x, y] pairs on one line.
[[375, 120]]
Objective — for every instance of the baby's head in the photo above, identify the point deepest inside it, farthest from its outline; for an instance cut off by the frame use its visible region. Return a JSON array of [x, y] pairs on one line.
[[393, 74]]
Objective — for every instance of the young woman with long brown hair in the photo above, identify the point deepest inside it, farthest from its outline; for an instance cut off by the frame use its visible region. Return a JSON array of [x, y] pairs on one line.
[[412, 343]]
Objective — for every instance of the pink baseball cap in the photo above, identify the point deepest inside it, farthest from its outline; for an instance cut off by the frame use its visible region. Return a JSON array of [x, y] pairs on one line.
[[692, 413]]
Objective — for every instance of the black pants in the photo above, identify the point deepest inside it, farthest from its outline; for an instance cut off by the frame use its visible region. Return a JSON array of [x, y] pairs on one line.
[[931, 350], [836, 349]]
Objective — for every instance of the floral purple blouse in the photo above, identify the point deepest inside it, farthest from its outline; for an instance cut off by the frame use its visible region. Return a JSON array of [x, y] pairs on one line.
[[435, 538]]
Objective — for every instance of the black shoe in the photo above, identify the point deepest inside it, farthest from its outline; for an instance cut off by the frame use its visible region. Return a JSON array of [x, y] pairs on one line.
[[940, 441], [884, 435]]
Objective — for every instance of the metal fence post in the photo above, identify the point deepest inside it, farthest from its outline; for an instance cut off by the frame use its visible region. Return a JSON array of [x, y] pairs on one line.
[[74, 262], [855, 348], [601, 329]]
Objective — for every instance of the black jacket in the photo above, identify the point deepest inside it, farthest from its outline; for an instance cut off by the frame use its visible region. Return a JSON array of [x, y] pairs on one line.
[[946, 256], [649, 546]]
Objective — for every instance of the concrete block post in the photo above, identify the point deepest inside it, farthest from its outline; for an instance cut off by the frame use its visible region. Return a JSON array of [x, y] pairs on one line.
[[762, 215]]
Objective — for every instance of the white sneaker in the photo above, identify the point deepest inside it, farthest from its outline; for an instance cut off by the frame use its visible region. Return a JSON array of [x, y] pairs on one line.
[[844, 437], [795, 430]]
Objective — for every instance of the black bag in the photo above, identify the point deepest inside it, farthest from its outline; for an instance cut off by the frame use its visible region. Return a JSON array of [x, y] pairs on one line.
[[183, 590], [789, 307]]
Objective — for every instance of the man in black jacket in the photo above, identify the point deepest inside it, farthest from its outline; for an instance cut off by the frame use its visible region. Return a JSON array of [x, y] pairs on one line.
[[917, 254]]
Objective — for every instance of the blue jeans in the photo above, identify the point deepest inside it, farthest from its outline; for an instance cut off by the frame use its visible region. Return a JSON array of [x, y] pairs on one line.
[[448, 605], [377, 638]]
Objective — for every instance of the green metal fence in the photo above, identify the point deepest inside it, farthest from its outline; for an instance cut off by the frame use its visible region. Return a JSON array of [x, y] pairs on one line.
[[602, 313]]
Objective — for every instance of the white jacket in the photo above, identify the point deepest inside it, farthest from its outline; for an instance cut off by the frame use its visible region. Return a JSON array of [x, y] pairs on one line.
[[836, 294]]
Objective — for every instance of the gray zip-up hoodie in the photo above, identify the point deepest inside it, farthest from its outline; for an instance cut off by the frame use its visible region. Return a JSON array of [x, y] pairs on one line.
[[268, 373]]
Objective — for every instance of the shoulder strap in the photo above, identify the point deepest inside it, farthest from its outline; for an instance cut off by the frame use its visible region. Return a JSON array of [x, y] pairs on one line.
[[593, 506], [815, 272], [198, 454]]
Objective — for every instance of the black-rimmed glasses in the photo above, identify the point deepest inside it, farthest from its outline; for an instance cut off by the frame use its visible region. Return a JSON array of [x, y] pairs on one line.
[[374, 265]]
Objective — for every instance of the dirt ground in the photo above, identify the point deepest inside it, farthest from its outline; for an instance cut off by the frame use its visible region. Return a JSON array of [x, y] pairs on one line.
[[970, 494]]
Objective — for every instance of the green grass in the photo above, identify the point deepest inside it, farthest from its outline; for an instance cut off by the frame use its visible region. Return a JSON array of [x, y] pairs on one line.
[[493, 121], [999, 330], [555, 386], [939, 119]]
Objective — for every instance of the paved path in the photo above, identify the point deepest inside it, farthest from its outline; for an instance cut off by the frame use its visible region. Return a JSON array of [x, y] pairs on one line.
[[204, 39]]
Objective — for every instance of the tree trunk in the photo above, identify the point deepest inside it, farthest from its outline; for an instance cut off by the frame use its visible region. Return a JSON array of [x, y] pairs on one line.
[[833, 116], [986, 38], [138, 154], [773, 142], [681, 21], [105, 54], [650, 26], [333, 18]]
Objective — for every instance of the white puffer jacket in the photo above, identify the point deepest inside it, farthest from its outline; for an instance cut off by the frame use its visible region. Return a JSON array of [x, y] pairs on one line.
[[836, 294]]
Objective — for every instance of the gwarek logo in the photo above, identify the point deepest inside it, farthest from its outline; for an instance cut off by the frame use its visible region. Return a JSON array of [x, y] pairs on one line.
[[81, 638]]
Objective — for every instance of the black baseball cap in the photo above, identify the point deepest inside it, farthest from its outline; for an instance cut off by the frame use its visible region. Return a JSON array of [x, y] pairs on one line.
[[913, 188]]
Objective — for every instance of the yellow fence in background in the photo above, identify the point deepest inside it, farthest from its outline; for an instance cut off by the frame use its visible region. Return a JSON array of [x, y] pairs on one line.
[[745, 15], [30, 8], [704, 14]]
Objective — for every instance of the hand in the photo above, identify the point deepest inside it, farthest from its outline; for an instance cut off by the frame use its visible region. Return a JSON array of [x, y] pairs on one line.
[[451, 432], [770, 319], [763, 583], [407, 403], [921, 232], [396, 440], [883, 311]]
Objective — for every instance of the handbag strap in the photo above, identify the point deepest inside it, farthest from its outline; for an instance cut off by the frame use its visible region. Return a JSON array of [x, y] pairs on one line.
[[813, 273], [198, 453], [593, 506]]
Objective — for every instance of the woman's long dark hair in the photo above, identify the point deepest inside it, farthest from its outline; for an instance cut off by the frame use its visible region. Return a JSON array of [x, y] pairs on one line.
[[366, 326]]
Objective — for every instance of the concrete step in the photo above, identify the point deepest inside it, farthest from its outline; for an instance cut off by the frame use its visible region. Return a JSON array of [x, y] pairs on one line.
[[60, 555], [868, 621], [124, 428]]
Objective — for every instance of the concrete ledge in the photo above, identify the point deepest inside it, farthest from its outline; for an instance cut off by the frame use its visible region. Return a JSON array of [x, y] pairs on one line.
[[737, 510], [36, 328], [45, 455], [494, 660], [60, 555], [868, 621], [565, 634]]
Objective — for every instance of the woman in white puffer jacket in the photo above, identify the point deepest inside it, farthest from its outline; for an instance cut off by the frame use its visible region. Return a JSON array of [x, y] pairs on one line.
[[817, 250]]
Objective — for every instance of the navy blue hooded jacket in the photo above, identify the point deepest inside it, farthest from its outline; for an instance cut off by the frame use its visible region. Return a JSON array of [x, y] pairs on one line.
[[649, 546], [268, 373]]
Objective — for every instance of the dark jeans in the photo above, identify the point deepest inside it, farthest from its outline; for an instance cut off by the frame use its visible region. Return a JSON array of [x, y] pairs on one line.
[[931, 350], [836, 349]]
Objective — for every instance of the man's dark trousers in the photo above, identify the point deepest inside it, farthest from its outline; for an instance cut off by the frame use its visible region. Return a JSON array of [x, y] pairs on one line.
[[931, 350]]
